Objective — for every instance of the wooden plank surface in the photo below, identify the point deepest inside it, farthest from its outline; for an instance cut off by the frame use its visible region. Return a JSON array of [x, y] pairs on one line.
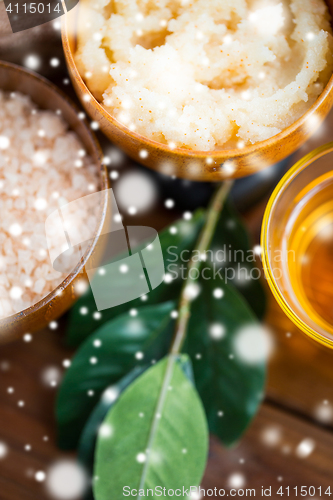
[[299, 401], [23, 366], [269, 456]]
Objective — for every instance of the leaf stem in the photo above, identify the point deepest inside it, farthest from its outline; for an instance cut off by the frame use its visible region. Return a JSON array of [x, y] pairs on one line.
[[203, 243], [202, 246]]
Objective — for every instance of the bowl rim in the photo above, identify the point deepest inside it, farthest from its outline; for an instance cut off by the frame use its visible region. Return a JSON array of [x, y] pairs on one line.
[[296, 169], [227, 154], [104, 182]]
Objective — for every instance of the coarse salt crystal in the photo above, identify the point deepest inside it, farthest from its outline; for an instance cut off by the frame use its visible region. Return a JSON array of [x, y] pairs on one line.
[[30, 193]]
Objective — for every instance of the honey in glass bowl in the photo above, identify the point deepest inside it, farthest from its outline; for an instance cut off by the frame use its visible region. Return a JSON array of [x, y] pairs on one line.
[[297, 240], [311, 275]]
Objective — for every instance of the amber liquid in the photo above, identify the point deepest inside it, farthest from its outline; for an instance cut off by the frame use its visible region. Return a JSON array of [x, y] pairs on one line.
[[310, 251]]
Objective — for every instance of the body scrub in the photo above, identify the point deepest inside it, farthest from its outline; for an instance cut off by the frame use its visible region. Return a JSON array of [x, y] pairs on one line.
[[42, 166], [205, 74]]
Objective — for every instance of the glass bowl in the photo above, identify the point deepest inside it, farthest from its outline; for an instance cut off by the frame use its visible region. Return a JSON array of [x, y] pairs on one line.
[[297, 244]]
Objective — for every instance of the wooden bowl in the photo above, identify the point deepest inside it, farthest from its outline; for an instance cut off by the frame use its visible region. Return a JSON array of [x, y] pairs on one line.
[[195, 165], [48, 96]]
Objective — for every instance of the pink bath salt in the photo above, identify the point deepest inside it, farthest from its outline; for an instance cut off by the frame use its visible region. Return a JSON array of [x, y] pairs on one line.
[[38, 171]]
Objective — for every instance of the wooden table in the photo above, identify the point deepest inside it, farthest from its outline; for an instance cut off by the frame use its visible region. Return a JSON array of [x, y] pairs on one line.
[[298, 405]]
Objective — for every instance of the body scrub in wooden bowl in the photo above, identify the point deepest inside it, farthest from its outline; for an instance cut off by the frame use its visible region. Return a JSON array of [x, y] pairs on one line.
[[42, 167], [205, 74]]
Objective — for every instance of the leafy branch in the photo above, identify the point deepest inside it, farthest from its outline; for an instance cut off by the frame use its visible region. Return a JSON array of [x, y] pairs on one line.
[[162, 401], [183, 316]]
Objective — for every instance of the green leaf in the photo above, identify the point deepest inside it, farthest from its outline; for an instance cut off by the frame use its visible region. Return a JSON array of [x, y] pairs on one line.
[[87, 443], [231, 237], [104, 359], [155, 435], [231, 389], [88, 439], [182, 237]]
